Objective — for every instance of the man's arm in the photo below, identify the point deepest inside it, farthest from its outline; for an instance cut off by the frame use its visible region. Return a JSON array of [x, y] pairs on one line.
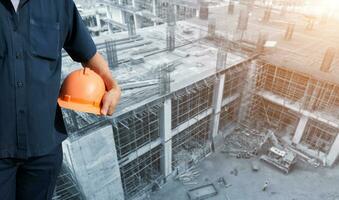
[[111, 99]]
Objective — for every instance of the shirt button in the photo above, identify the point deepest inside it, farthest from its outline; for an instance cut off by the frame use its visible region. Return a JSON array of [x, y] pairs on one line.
[[15, 28], [20, 84], [18, 55]]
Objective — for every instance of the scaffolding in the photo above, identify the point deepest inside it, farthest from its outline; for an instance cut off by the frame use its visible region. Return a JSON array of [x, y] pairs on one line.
[[192, 100], [112, 54], [264, 114], [185, 12], [281, 96], [144, 5], [171, 25], [319, 136], [229, 114], [76, 121], [234, 80], [142, 174], [309, 93], [136, 129], [66, 187], [191, 145]]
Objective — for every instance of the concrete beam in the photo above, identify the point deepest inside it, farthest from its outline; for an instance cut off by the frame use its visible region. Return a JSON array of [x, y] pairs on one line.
[[300, 130], [141, 151], [230, 99], [297, 108], [191, 122]]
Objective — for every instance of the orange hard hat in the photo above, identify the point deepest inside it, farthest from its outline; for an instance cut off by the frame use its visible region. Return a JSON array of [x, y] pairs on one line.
[[82, 91]]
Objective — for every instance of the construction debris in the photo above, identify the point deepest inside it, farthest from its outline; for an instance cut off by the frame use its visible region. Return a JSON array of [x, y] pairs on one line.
[[202, 192], [305, 158], [234, 172], [243, 144], [188, 177], [255, 166], [223, 182], [282, 159]]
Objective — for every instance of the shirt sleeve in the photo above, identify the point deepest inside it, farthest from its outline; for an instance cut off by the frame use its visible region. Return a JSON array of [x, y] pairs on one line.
[[78, 44]]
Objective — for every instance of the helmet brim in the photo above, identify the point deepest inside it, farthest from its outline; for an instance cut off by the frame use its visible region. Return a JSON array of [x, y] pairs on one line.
[[79, 107]]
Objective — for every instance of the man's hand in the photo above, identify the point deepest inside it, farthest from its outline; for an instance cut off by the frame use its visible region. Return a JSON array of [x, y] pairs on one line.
[[112, 97], [110, 101]]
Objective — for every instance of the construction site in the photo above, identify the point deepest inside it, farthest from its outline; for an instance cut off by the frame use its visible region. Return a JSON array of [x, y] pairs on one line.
[[221, 100]]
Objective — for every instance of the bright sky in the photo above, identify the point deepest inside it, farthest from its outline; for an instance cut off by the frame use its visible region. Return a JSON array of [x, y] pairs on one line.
[[320, 7]]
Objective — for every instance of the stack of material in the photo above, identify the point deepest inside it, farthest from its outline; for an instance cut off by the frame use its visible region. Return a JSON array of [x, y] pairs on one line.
[[188, 177], [304, 157]]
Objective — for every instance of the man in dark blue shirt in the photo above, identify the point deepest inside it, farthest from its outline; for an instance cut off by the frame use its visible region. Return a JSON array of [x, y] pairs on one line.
[[32, 34]]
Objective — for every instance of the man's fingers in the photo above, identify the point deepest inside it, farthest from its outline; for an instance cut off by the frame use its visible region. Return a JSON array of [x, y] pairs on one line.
[[105, 105], [113, 105], [111, 109], [110, 102]]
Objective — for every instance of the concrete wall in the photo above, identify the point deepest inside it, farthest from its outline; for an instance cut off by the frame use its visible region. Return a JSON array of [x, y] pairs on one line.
[[94, 162]]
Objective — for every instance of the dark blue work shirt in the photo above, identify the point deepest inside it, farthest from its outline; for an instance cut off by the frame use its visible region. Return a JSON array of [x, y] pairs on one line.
[[31, 40]]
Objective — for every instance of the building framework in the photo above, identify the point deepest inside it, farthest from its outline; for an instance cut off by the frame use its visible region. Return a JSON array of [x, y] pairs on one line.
[[298, 106], [172, 128]]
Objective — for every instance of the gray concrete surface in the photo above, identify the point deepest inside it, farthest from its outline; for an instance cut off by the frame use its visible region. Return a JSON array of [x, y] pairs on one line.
[[98, 176], [303, 183]]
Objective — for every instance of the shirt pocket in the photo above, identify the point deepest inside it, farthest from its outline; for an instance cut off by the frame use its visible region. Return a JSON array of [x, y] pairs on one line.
[[45, 38]]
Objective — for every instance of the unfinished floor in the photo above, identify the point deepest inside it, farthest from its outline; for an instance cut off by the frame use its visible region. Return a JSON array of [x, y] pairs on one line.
[[211, 85], [304, 183]]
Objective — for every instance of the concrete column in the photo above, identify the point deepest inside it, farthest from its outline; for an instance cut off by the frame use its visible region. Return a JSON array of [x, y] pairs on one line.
[[217, 102], [108, 14], [121, 13], [175, 11], [166, 137], [247, 92], [135, 16], [300, 130], [334, 152], [197, 13], [154, 3], [136, 23], [98, 178], [97, 18]]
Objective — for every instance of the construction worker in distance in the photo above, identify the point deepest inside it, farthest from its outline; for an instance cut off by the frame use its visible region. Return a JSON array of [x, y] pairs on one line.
[[32, 34]]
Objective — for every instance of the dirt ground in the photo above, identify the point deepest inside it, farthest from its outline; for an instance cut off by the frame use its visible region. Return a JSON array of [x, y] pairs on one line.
[[304, 182]]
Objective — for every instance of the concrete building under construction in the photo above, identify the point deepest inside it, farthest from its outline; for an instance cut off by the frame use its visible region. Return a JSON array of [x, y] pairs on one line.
[[195, 75]]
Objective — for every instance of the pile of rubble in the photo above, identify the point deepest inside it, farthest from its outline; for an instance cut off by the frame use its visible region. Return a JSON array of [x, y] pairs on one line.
[[246, 143], [242, 144], [189, 176]]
